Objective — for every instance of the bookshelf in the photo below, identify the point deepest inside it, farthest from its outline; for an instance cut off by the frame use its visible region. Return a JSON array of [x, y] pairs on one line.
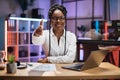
[[19, 39]]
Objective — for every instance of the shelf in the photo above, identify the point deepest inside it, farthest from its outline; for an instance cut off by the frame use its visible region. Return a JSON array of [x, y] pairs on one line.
[[19, 38], [24, 60], [12, 38], [11, 25], [23, 38], [34, 59]]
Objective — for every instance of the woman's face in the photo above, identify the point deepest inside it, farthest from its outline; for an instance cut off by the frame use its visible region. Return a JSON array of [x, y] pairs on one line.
[[58, 20]]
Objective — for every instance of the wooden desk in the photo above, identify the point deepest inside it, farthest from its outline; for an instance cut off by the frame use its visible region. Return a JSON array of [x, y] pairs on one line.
[[104, 71]]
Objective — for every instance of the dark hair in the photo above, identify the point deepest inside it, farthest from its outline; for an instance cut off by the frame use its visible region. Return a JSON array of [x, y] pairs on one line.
[[54, 7]]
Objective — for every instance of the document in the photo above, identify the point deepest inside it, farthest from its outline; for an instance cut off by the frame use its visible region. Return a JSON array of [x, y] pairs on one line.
[[45, 67]]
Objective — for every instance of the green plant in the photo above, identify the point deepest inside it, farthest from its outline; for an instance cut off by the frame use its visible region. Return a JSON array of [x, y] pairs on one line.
[[11, 59]]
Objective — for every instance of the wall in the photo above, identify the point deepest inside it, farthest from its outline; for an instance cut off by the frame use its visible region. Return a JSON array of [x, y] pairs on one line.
[[11, 6], [45, 4], [7, 6], [115, 9], [2, 37]]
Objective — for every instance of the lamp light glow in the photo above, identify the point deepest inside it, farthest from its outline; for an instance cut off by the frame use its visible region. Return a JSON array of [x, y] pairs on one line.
[[27, 19]]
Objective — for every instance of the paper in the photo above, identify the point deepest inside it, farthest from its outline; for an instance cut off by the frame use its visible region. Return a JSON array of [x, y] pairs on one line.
[[45, 67]]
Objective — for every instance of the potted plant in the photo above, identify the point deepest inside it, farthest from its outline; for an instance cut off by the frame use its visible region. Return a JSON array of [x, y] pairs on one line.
[[11, 65]]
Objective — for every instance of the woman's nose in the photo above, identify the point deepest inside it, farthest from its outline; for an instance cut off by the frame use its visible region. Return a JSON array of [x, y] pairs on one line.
[[58, 19]]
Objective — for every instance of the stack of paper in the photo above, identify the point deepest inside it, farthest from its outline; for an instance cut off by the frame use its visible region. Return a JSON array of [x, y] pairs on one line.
[[45, 67]]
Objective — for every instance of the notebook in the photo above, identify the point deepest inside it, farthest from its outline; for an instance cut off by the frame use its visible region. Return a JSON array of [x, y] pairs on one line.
[[94, 60]]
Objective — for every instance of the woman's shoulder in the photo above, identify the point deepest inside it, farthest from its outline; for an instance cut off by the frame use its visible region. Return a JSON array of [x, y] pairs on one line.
[[70, 34], [71, 37]]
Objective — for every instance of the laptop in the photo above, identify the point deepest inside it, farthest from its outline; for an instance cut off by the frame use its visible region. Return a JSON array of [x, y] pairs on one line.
[[94, 60]]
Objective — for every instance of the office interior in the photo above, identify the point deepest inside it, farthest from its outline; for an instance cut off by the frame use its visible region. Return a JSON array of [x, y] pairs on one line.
[[83, 15]]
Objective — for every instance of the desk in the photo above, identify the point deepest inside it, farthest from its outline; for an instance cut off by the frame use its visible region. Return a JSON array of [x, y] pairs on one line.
[[104, 71]]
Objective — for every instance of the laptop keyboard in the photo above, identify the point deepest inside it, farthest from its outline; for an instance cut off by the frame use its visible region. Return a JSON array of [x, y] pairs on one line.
[[77, 66]]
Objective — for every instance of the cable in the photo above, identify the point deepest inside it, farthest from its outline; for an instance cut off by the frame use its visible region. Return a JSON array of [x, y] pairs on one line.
[[49, 40]]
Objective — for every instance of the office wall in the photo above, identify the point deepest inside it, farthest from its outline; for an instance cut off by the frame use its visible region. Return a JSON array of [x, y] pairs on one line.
[[2, 37], [115, 9], [8, 6], [12, 6], [44, 4]]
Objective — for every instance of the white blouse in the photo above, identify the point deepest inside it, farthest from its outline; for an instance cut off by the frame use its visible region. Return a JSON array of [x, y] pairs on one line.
[[58, 52]]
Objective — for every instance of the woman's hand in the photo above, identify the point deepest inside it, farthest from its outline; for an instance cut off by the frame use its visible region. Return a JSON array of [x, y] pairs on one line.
[[43, 60], [39, 30]]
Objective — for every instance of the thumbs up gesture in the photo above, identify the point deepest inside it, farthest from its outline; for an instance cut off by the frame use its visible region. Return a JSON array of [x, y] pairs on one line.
[[39, 30]]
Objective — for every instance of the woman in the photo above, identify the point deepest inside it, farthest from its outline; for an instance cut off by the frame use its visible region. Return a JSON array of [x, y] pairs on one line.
[[59, 45]]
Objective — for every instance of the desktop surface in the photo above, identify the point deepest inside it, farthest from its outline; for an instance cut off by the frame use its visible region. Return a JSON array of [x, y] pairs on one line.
[[104, 71]]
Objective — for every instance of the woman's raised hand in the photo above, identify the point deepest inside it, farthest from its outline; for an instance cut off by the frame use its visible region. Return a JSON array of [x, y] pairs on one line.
[[39, 30]]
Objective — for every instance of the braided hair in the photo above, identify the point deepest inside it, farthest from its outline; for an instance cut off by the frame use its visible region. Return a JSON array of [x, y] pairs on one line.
[[50, 12], [54, 7]]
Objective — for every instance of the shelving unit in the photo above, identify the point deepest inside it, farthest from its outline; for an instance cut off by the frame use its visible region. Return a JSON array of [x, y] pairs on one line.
[[19, 39]]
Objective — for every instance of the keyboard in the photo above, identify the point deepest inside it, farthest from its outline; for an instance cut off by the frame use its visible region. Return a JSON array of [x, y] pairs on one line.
[[76, 66]]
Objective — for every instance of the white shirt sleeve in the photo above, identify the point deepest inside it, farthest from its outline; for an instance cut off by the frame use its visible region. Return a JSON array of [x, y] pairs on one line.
[[70, 54], [38, 40]]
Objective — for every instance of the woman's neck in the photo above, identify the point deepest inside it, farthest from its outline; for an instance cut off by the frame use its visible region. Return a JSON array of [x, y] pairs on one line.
[[58, 33]]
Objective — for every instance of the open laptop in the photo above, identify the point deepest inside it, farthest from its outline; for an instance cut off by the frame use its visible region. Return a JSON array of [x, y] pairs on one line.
[[94, 60]]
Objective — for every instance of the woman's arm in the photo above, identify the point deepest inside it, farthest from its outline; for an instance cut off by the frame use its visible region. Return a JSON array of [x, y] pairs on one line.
[[38, 40]]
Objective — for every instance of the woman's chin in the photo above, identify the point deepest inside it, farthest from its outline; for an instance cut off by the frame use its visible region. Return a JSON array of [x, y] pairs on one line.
[[60, 28]]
